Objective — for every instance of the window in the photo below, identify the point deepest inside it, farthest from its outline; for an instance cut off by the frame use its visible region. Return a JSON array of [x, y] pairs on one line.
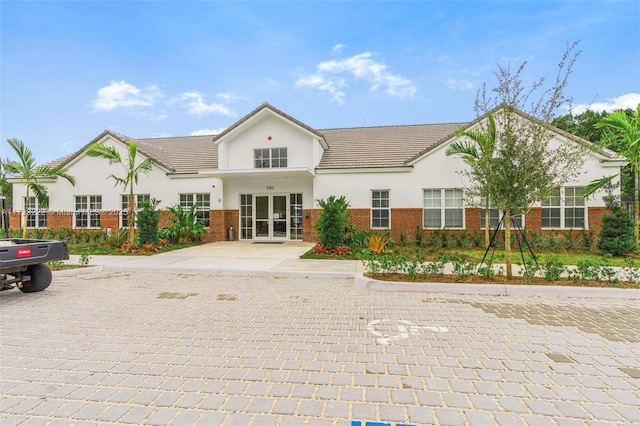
[[124, 211], [494, 217], [380, 213], [265, 158], [203, 202], [443, 208], [87, 212], [295, 213], [246, 216], [565, 208], [36, 217]]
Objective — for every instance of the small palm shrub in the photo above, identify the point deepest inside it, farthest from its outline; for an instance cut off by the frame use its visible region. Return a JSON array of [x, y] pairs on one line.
[[184, 225]]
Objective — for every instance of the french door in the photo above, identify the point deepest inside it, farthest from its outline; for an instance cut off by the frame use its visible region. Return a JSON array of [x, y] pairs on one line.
[[271, 218]]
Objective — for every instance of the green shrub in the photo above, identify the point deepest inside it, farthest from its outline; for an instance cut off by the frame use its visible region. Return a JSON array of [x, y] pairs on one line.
[[183, 225], [332, 221], [553, 269], [117, 239], [147, 220], [418, 236], [616, 235]]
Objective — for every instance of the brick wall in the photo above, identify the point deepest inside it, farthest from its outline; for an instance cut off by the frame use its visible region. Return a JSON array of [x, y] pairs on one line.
[[109, 219], [59, 219]]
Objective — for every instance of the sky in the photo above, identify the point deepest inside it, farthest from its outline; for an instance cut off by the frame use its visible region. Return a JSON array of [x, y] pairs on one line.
[[71, 69]]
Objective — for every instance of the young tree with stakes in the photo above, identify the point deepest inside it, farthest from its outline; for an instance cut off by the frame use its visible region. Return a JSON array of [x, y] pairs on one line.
[[524, 168]]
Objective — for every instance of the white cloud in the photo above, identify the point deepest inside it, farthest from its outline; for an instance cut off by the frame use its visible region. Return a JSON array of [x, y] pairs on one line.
[[195, 104], [229, 97], [318, 81], [338, 48], [629, 100], [460, 84], [160, 135], [203, 132], [120, 94], [330, 77]]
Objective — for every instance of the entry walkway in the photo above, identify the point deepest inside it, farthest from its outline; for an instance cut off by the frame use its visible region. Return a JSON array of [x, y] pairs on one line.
[[233, 257], [247, 258]]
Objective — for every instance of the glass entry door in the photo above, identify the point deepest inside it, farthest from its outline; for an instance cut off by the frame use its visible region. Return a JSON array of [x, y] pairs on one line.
[[271, 217]]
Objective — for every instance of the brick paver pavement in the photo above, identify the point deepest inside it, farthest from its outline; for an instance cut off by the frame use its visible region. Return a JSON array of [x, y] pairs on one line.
[[133, 348]]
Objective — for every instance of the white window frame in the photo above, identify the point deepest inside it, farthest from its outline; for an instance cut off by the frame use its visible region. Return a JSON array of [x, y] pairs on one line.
[[93, 205], [203, 210], [440, 204], [499, 213], [33, 209], [124, 207], [270, 158], [377, 205], [567, 199]]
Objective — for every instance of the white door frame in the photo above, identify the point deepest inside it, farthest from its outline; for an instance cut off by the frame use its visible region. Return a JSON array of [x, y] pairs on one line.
[[265, 228]]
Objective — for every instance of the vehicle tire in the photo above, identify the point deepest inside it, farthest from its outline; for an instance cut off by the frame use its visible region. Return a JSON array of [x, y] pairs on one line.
[[40, 278]]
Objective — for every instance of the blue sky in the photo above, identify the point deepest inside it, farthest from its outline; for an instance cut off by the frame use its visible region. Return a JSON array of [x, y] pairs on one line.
[[72, 69]]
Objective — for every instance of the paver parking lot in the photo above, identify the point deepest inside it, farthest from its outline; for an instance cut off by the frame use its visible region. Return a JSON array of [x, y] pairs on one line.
[[140, 348]]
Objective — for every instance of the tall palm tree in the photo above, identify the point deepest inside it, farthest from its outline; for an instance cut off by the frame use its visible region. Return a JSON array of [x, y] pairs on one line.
[[132, 170], [477, 153], [625, 130], [31, 174]]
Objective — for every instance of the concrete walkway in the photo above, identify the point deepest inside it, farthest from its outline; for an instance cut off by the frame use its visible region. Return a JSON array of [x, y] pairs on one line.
[[247, 258], [233, 257]]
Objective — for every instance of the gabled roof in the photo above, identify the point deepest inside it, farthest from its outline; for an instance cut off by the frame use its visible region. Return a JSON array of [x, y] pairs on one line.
[[345, 148], [380, 146], [255, 112], [183, 154], [607, 153]]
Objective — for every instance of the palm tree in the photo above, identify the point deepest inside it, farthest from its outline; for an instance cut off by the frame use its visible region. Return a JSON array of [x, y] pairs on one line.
[[477, 153], [31, 174], [132, 171], [625, 130]]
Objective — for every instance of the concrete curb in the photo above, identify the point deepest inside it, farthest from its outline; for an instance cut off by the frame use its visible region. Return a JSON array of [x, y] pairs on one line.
[[360, 281], [76, 271]]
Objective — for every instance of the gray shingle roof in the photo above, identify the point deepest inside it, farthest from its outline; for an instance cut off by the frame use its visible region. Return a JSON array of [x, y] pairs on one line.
[[185, 154], [357, 147], [381, 146]]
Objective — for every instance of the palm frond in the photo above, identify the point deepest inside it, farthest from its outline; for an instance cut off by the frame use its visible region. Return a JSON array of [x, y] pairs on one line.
[[99, 150], [596, 185]]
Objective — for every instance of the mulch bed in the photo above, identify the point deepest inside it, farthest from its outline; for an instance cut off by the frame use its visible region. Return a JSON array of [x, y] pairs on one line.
[[476, 279]]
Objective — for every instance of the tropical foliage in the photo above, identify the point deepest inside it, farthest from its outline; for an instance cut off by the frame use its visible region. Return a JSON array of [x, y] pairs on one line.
[[625, 131], [32, 175], [477, 150], [132, 169], [184, 225]]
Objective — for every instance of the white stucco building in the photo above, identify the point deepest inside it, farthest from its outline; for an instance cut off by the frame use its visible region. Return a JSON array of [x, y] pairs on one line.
[[264, 175]]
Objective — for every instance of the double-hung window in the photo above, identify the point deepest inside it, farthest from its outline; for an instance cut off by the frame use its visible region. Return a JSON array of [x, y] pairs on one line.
[[124, 210], [565, 208], [36, 216], [203, 201], [264, 158], [87, 211], [443, 208], [380, 213]]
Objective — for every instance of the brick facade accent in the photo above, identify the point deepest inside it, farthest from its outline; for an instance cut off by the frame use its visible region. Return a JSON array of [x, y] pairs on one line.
[[109, 219], [405, 220], [14, 220], [60, 219]]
